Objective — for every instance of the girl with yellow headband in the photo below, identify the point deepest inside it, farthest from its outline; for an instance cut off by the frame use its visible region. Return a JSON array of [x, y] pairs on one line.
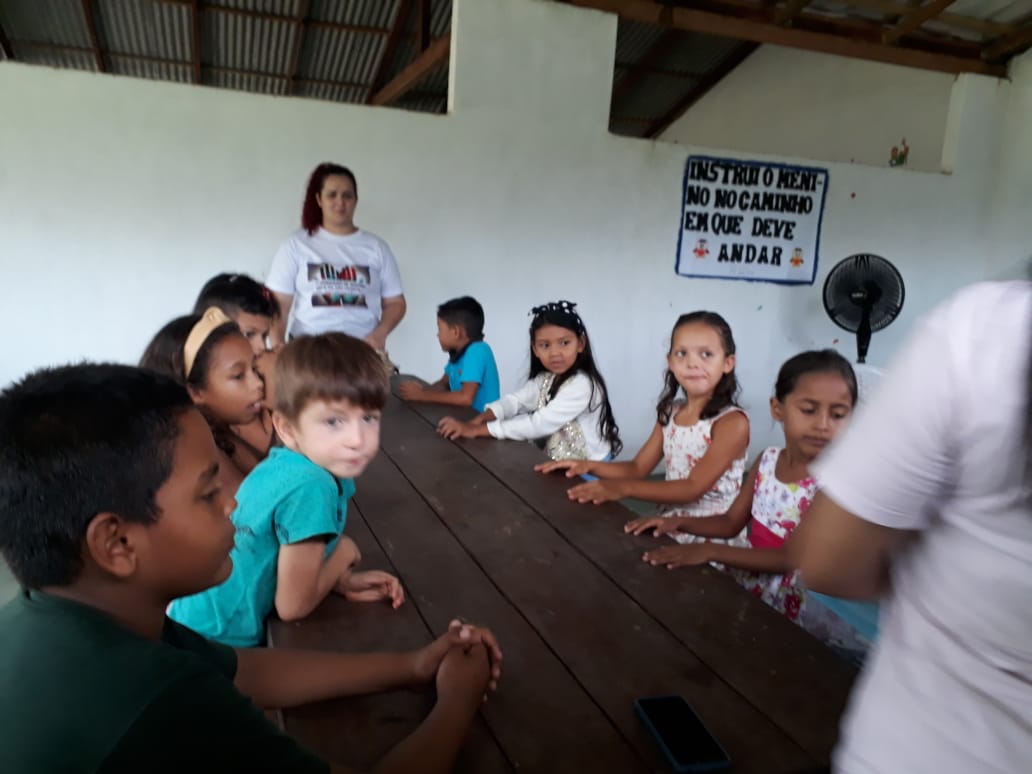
[[209, 355]]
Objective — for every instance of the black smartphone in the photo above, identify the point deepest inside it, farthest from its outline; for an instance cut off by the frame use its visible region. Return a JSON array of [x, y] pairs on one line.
[[682, 737]]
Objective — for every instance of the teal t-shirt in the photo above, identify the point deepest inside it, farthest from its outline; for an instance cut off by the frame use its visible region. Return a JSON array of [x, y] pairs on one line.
[[477, 364], [80, 692], [287, 498]]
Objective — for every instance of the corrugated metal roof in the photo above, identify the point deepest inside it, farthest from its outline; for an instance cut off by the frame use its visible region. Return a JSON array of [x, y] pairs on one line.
[[694, 53], [332, 55], [67, 58], [59, 22], [243, 43], [252, 44], [144, 28], [261, 84], [330, 92], [440, 17], [634, 40], [160, 71], [369, 13], [278, 7]]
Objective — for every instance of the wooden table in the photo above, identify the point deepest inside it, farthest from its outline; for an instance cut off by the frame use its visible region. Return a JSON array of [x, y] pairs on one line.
[[586, 626]]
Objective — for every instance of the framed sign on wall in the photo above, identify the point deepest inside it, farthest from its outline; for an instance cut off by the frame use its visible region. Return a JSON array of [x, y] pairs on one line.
[[750, 220]]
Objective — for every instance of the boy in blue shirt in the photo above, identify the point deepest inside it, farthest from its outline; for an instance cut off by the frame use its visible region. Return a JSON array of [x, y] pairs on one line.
[[470, 376], [110, 507], [289, 553]]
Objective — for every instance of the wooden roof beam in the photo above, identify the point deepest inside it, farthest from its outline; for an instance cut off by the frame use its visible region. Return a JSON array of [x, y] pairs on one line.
[[700, 89], [650, 12], [91, 28], [1008, 45], [299, 44], [390, 48], [424, 64], [915, 19]]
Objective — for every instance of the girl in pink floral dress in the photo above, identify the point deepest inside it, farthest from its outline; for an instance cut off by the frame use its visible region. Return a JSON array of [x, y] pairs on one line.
[[701, 434], [813, 398]]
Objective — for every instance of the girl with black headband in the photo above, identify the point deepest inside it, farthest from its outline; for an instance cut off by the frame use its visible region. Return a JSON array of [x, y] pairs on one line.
[[564, 403]]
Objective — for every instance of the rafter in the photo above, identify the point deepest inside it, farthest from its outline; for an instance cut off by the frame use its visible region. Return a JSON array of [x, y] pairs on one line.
[[999, 49], [5, 45], [195, 37], [91, 28], [314, 24], [299, 44], [700, 89], [649, 12], [424, 64], [641, 69], [390, 48], [915, 19]]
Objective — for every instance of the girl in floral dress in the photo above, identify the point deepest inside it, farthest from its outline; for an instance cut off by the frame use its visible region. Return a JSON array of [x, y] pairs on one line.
[[701, 433], [813, 398]]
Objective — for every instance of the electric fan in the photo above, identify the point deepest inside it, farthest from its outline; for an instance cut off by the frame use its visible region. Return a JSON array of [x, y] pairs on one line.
[[863, 294]]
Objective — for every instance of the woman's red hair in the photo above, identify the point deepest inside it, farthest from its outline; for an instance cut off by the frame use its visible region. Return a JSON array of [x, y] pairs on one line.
[[311, 215]]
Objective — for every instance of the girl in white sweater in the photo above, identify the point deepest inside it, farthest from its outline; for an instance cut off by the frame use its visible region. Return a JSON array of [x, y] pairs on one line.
[[563, 404]]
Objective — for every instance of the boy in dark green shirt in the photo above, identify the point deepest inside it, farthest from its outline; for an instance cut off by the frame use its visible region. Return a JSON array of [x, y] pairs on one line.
[[109, 509]]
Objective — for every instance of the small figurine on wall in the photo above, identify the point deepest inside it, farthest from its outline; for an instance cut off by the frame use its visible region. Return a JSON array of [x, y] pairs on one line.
[[701, 250], [797, 257], [899, 154]]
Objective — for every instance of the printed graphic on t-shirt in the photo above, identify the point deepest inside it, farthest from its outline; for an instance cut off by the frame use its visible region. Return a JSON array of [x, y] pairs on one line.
[[345, 286]]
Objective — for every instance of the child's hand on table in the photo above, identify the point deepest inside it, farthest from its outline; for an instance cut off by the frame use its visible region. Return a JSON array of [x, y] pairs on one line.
[[660, 525], [680, 556], [372, 586], [596, 491], [572, 467], [462, 637]]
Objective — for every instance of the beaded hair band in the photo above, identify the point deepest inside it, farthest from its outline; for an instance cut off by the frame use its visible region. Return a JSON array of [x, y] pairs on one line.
[[212, 318], [562, 312]]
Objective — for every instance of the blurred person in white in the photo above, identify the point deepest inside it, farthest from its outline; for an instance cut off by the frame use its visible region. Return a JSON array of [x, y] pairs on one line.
[[926, 501]]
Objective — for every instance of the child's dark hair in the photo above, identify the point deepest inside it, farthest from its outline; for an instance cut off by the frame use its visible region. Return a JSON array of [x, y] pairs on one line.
[[164, 355], [330, 367], [236, 293], [725, 393], [76, 441], [564, 315], [465, 312], [815, 361], [311, 213]]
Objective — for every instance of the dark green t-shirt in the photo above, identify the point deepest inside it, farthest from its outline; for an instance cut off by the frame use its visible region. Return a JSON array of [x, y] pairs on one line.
[[79, 692]]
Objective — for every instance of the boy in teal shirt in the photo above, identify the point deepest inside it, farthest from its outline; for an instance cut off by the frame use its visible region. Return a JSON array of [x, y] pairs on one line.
[[110, 507], [289, 553], [471, 375]]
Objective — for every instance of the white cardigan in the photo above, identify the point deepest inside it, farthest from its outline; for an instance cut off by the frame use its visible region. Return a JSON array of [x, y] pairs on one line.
[[519, 418]]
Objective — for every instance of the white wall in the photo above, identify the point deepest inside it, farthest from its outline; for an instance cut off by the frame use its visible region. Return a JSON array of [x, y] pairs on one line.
[[788, 102], [119, 197]]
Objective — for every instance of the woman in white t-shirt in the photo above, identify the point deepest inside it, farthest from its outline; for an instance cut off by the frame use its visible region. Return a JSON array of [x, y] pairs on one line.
[[330, 275], [927, 500]]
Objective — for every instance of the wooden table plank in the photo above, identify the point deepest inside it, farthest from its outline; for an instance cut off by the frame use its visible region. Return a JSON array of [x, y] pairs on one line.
[[786, 673], [359, 731], [614, 648], [540, 715]]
